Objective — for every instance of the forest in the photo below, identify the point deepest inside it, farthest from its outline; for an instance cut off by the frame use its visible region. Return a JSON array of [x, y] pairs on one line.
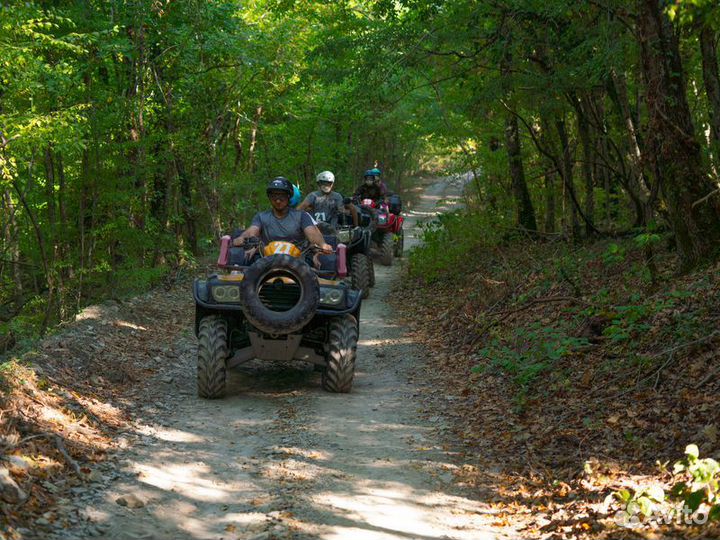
[[578, 285], [135, 132]]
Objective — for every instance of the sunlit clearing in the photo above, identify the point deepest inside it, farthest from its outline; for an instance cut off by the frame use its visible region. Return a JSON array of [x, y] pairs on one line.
[[395, 341], [126, 324], [174, 435], [392, 509], [188, 481], [53, 415], [89, 313]]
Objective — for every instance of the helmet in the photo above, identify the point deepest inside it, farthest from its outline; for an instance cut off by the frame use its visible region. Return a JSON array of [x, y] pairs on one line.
[[296, 197], [325, 177], [372, 173], [280, 183]]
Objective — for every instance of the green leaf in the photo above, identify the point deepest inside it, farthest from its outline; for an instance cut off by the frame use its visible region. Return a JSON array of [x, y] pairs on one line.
[[692, 450], [695, 499]]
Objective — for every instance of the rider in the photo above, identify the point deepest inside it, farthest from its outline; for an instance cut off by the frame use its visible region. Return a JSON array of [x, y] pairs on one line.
[[282, 222], [372, 188], [327, 204]]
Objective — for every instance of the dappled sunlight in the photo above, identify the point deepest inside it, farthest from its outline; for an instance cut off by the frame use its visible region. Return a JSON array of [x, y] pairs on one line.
[[193, 482], [132, 326], [174, 435]]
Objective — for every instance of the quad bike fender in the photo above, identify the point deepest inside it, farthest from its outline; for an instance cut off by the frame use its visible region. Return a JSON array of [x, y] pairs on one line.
[[397, 224]]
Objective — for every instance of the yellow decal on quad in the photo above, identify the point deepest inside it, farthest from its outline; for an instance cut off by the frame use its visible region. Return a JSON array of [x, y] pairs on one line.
[[282, 248]]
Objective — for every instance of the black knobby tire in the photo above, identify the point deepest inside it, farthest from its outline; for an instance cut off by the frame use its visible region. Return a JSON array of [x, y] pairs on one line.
[[340, 357], [360, 273], [371, 263], [387, 246], [211, 357], [279, 322], [399, 243]]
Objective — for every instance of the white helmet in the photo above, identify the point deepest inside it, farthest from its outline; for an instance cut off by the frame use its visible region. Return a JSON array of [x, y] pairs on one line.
[[325, 176]]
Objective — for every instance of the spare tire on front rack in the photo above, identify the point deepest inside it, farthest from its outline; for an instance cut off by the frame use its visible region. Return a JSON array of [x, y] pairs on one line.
[[279, 294]]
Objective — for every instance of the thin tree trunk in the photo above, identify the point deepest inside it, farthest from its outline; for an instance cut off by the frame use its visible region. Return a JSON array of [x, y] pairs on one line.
[[524, 211], [586, 143], [253, 139], [711, 79], [675, 151], [550, 201], [573, 227]]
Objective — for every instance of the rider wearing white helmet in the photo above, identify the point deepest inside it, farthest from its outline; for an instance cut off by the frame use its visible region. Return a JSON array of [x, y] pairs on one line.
[[327, 204]]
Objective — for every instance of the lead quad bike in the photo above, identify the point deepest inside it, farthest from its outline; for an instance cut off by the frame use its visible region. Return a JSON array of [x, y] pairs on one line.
[[358, 241], [388, 233], [278, 308]]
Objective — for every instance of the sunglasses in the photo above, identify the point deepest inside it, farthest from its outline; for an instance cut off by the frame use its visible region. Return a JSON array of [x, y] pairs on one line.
[[278, 195]]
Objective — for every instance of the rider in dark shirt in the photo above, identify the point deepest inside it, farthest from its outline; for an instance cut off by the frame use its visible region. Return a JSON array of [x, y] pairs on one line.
[[282, 222], [372, 187], [326, 204]]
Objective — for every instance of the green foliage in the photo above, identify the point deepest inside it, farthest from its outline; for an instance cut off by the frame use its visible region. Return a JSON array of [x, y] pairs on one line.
[[450, 245], [641, 501], [698, 481], [529, 353]]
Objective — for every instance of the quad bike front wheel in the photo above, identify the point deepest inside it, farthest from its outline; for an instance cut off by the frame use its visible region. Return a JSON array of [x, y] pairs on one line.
[[340, 357], [386, 249], [360, 273], [371, 272], [212, 353], [399, 243]]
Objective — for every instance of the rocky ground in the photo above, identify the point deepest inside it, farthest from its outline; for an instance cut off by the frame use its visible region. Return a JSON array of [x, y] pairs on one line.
[[277, 458]]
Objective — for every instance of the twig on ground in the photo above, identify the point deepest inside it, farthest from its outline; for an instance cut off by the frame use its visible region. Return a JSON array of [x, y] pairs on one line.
[[61, 448]]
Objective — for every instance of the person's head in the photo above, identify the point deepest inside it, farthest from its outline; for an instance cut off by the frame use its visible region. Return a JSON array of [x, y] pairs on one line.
[[372, 176], [325, 181], [279, 190]]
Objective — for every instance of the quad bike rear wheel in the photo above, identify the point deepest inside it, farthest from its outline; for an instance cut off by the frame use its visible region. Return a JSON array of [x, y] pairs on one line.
[[212, 353], [360, 273], [386, 249], [340, 356], [399, 243]]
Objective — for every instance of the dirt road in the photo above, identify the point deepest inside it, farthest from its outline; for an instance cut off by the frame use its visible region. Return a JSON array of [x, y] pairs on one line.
[[281, 458]]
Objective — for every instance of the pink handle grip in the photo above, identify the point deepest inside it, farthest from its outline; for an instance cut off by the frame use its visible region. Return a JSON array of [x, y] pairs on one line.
[[341, 253], [225, 244]]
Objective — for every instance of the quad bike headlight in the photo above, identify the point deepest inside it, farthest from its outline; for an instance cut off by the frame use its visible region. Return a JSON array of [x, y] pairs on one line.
[[331, 297], [226, 293], [344, 236]]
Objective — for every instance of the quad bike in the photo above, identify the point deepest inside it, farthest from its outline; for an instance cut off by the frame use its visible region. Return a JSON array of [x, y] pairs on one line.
[[388, 233], [278, 308], [358, 240]]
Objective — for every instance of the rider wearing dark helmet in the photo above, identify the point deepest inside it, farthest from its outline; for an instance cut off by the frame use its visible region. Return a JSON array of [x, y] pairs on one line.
[[372, 187], [282, 222]]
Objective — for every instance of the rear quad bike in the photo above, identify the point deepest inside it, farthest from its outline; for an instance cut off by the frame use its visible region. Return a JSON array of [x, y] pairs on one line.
[[388, 234], [277, 308], [358, 240]]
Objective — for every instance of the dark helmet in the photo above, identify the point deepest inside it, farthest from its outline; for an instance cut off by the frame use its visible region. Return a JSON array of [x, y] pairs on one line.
[[280, 183], [372, 173]]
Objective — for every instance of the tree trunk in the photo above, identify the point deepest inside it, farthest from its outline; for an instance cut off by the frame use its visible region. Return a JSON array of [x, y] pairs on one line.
[[253, 139], [671, 136], [525, 213], [573, 227], [550, 201], [586, 143], [638, 185], [711, 79]]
